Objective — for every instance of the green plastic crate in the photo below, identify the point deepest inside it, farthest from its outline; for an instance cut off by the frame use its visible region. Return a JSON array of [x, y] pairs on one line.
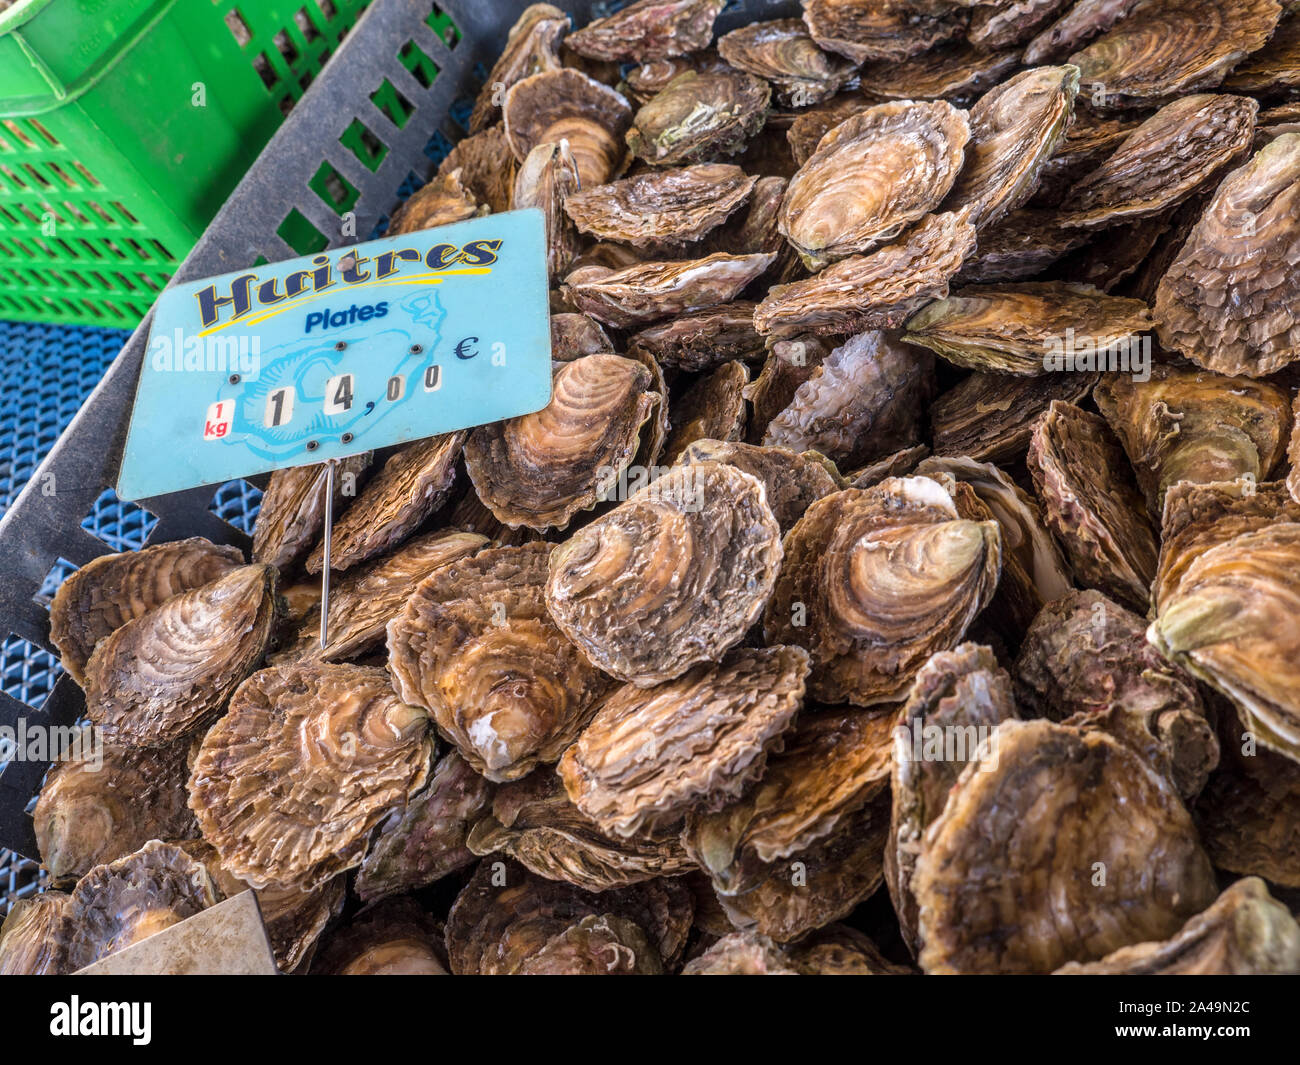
[[124, 124]]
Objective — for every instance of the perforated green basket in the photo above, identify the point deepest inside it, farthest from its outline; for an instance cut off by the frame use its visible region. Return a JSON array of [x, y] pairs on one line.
[[124, 124]]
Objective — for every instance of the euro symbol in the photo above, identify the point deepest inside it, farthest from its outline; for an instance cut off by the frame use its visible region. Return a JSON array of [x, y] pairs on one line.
[[460, 348]]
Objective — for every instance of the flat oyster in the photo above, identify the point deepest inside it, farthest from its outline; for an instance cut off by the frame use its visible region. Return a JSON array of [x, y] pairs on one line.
[[440, 202], [532, 47], [567, 105], [648, 30], [35, 934], [702, 340], [487, 167], [782, 52], [865, 30], [792, 481], [391, 938], [712, 408], [292, 512], [547, 177]]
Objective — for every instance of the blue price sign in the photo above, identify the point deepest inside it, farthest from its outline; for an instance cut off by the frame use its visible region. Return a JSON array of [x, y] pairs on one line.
[[347, 351]]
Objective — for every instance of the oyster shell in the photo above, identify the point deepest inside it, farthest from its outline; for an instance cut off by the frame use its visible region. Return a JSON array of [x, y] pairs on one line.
[[879, 290], [475, 647], [792, 481], [576, 335], [487, 167], [957, 699], [875, 581], [92, 812], [363, 601], [1172, 46], [789, 364], [1086, 144], [1293, 455], [532, 47], [1276, 66], [674, 576], [651, 78], [1031, 328], [1092, 505], [1173, 155], [547, 178], [534, 822], [412, 485], [699, 115], [862, 403], [647, 292], [395, 937], [1226, 301], [107, 592], [661, 209], [1231, 622], [1059, 845], [598, 945], [782, 52], [1082, 21], [444, 200], [541, 469], [128, 900], [1014, 130], [1022, 245], [756, 229], [702, 340], [169, 672], [1009, 22], [712, 408], [949, 72], [899, 464], [566, 104], [34, 937], [865, 30], [652, 754], [810, 126], [743, 954], [1246, 932], [308, 760], [1189, 425], [871, 176], [991, 416], [648, 30], [1086, 656], [292, 513]]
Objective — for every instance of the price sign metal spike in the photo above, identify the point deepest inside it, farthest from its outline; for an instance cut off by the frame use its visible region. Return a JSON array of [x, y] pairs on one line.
[[326, 550]]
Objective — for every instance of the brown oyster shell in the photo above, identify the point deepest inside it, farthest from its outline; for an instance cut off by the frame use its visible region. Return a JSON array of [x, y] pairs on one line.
[[1014, 130], [1293, 456], [792, 481], [35, 934], [949, 72], [599, 945], [1172, 46], [363, 601], [425, 840], [107, 592], [782, 52], [1197, 517], [833, 764], [991, 416], [535, 823], [292, 512], [1086, 144], [674, 576], [702, 340], [1173, 155], [699, 115], [647, 292], [660, 209], [1092, 504], [862, 403], [475, 646], [566, 104], [1081, 22], [865, 30], [308, 760], [1084, 655], [879, 290], [1116, 253], [648, 30], [444, 200], [875, 581], [96, 810], [1005, 23], [1025, 328], [712, 408], [1189, 425], [167, 673], [958, 697], [294, 919], [1008, 879], [871, 176], [505, 913], [1276, 66], [1022, 245], [1246, 932], [395, 937], [576, 335], [412, 485], [541, 469], [899, 464], [652, 754], [649, 79], [1227, 301], [743, 954], [547, 177], [487, 167], [130, 899], [532, 47], [1231, 621], [790, 362], [810, 126]]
